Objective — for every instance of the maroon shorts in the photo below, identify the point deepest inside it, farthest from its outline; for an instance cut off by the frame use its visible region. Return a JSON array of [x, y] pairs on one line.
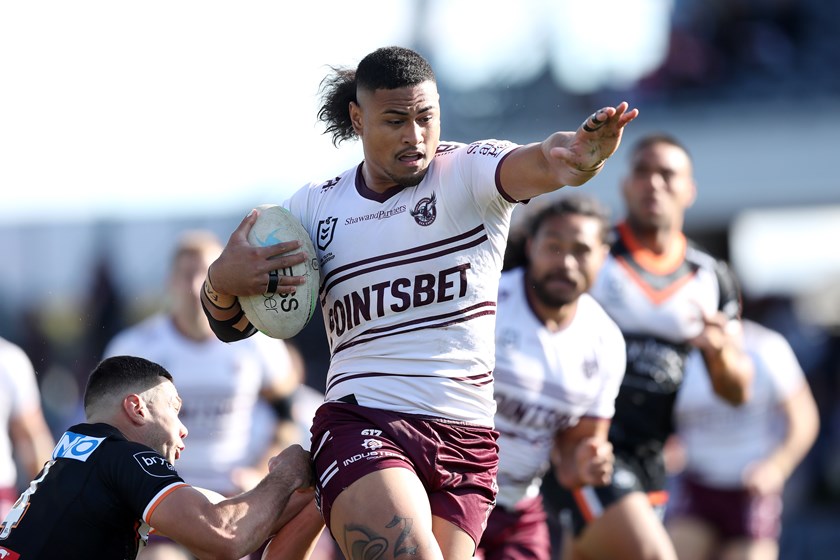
[[734, 513], [456, 462], [517, 534]]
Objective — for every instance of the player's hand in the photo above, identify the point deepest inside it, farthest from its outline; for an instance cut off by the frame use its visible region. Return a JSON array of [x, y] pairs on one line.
[[576, 157], [714, 333], [763, 477], [294, 459], [594, 461], [243, 270]]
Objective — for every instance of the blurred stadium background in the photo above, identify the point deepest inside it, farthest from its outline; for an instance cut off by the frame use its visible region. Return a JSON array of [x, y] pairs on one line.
[[123, 124]]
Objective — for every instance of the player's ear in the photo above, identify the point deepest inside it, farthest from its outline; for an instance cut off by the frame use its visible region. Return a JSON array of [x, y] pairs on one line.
[[356, 117], [135, 408]]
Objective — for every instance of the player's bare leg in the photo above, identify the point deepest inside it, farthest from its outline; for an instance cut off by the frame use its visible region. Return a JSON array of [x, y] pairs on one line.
[[386, 515], [693, 539], [297, 538], [628, 529], [745, 549]]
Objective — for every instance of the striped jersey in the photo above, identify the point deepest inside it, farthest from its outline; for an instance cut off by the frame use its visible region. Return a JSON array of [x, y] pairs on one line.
[[547, 381], [409, 281]]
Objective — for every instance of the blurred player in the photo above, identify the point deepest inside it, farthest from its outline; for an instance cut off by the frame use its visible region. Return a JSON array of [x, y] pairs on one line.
[[410, 247], [222, 384], [668, 297], [559, 363], [24, 435], [737, 459], [112, 478]]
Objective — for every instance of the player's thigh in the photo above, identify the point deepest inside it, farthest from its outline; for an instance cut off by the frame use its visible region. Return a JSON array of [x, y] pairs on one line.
[[628, 529], [385, 514], [299, 535], [454, 543], [693, 538], [746, 549]]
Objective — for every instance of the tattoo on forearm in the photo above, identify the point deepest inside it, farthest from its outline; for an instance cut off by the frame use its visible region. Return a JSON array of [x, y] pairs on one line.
[[365, 543]]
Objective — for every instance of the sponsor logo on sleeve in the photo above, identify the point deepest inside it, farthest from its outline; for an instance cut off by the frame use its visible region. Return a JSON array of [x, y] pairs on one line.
[[76, 446], [154, 465], [7, 554]]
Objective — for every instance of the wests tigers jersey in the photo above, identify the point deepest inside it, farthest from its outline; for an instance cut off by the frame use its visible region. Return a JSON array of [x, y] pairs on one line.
[[409, 281], [92, 500], [658, 302]]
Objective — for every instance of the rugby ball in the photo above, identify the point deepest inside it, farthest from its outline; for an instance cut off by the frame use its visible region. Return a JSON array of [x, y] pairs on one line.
[[283, 315]]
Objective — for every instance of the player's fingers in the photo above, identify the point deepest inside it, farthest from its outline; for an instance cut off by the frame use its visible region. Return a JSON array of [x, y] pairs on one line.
[[241, 231], [598, 119], [270, 251], [627, 116]]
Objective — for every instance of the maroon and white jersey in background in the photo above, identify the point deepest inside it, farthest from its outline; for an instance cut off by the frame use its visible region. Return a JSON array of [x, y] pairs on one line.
[[722, 440], [409, 282], [547, 381]]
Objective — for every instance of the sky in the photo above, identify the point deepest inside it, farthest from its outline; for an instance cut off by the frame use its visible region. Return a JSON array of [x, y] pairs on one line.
[[132, 109]]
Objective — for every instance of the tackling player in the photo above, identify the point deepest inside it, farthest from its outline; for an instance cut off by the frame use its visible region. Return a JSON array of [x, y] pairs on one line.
[[112, 478]]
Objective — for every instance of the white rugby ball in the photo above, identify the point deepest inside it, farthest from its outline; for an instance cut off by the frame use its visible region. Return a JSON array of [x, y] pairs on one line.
[[283, 315]]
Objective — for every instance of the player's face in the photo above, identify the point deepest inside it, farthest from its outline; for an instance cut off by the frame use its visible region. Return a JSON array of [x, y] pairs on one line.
[[400, 131], [186, 280], [659, 188], [564, 258], [167, 432]]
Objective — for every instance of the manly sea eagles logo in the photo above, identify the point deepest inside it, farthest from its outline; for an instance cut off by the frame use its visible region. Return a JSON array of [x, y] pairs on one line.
[[425, 212], [326, 229]]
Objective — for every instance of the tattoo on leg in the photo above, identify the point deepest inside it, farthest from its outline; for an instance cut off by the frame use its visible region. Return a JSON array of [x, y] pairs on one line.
[[401, 547], [364, 543]]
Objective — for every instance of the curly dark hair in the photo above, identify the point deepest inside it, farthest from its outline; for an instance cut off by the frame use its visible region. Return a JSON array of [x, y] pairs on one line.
[[572, 204], [384, 68]]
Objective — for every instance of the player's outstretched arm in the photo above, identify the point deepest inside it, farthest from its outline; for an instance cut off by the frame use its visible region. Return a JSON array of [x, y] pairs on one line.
[[237, 526], [243, 270], [566, 158]]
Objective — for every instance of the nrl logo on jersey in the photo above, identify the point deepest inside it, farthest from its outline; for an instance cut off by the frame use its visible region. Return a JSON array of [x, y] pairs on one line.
[[424, 212], [326, 231]]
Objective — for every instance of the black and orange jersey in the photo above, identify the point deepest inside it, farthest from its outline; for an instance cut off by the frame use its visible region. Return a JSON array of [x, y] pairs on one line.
[[91, 500], [658, 302]]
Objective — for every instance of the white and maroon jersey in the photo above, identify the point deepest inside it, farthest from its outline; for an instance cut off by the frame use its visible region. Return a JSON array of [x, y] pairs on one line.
[[18, 396], [547, 381], [220, 387], [409, 280], [721, 439]]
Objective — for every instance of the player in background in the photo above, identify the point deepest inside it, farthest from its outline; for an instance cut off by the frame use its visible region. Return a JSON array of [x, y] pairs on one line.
[[112, 478], [24, 435], [410, 246], [668, 297], [736, 459], [223, 385], [559, 363]]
